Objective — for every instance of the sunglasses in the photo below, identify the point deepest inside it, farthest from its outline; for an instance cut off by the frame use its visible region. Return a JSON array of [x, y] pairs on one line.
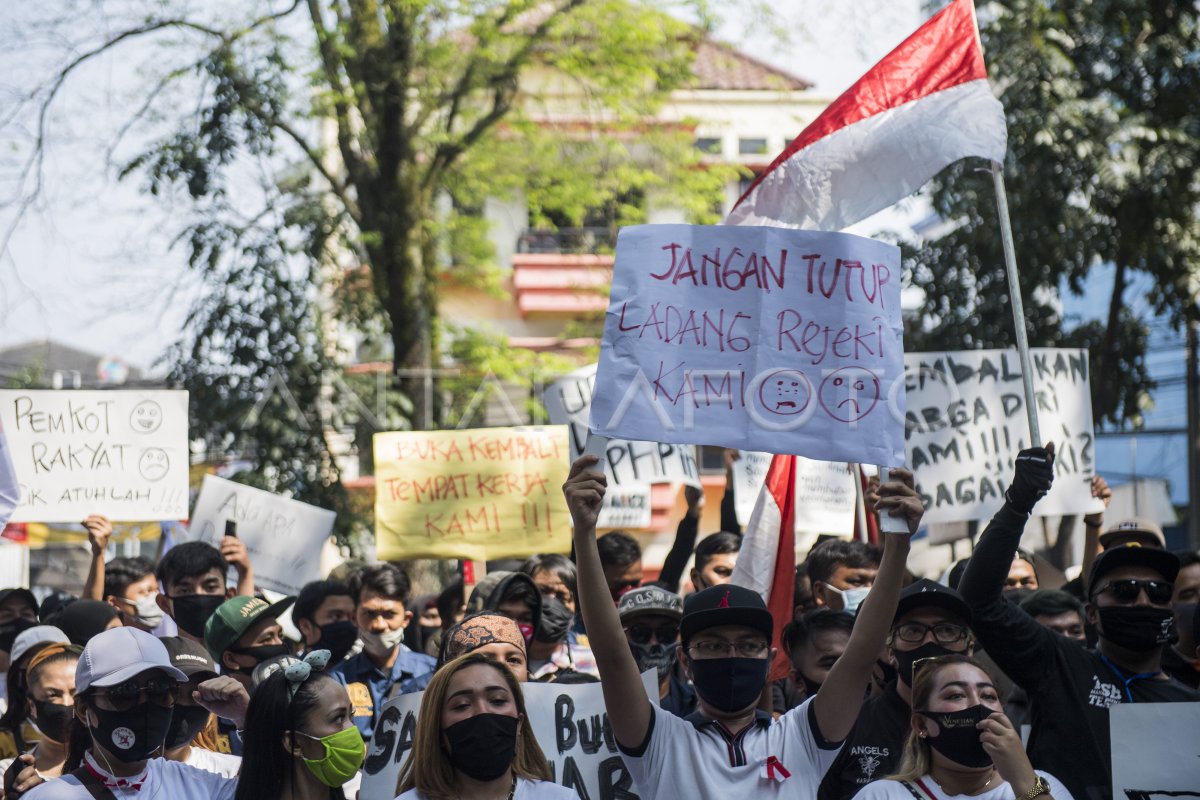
[[1127, 591], [125, 696], [641, 634]]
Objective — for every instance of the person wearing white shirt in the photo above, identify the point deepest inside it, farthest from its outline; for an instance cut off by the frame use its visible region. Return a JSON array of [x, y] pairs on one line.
[[728, 748]]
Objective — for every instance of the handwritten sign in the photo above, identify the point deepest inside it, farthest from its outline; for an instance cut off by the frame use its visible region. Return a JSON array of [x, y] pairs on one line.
[[966, 422], [764, 339], [626, 507], [626, 463], [121, 454], [825, 495], [475, 494], [569, 722], [1155, 750], [284, 537]]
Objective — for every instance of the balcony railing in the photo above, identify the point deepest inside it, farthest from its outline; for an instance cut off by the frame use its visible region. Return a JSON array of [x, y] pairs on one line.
[[567, 240]]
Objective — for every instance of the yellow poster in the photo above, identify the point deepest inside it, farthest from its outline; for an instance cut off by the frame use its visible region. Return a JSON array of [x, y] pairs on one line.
[[476, 494]]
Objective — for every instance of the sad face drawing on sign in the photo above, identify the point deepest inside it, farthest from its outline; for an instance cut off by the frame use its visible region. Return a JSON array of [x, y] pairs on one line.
[[849, 394]]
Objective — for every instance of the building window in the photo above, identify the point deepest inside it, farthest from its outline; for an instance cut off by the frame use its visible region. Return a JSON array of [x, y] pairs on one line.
[[752, 147], [709, 145]]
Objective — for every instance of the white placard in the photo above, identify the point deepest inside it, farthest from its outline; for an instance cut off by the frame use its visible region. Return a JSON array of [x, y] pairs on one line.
[[626, 507], [283, 537], [825, 495], [1155, 750], [123, 454], [569, 722], [966, 422], [764, 339]]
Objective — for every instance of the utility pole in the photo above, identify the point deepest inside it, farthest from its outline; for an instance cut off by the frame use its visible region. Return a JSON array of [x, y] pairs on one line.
[[1193, 435]]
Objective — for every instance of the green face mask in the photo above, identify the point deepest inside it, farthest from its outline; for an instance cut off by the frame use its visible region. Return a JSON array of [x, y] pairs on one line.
[[344, 754]]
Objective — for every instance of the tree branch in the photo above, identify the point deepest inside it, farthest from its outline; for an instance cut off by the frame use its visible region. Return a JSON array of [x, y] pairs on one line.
[[334, 66]]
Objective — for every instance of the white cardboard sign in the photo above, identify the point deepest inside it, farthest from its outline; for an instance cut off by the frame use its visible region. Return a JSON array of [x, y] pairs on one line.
[[1155, 750], [966, 422], [825, 495], [765, 339], [569, 722], [284, 537], [123, 454]]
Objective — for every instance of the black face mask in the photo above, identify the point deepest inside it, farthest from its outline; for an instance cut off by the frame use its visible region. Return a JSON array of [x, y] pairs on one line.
[[338, 638], [888, 673], [132, 735], [958, 738], [186, 724], [261, 653], [657, 656], [482, 747], [1139, 628], [52, 719], [729, 684], [555, 622], [906, 658], [191, 611]]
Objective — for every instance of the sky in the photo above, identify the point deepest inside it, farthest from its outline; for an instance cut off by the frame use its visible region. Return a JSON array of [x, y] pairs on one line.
[[92, 265]]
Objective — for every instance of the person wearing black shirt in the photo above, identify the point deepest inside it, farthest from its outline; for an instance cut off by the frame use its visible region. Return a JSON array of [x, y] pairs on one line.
[[931, 620], [1071, 688]]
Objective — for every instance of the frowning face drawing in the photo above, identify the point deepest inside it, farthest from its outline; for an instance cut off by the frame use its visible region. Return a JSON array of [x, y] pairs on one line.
[[849, 394], [785, 392]]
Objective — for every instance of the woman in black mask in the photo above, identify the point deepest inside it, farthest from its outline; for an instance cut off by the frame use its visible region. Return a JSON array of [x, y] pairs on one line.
[[961, 744], [50, 678], [556, 645], [474, 739]]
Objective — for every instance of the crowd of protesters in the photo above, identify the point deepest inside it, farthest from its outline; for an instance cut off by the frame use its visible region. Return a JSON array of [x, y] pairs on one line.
[[176, 679]]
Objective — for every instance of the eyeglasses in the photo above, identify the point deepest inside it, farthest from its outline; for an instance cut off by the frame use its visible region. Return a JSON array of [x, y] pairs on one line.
[[943, 632], [719, 648], [639, 633], [125, 696], [1127, 591]]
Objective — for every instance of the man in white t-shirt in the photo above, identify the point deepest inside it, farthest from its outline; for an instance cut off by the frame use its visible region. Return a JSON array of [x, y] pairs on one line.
[[729, 748], [125, 688]]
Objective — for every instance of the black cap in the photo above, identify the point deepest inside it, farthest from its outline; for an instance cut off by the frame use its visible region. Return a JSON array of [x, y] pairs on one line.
[[190, 658], [22, 593], [725, 604], [1133, 554], [925, 593]]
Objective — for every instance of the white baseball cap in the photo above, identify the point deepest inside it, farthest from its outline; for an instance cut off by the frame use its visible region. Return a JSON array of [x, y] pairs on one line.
[[116, 655], [38, 634]]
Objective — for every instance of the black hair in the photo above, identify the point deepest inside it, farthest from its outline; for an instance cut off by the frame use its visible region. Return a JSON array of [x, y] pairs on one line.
[[1187, 557], [618, 549], [189, 560], [719, 543], [557, 565], [798, 590], [797, 634], [18, 694], [1051, 603], [120, 572], [385, 580], [313, 594], [266, 771], [825, 558], [450, 602], [524, 591]]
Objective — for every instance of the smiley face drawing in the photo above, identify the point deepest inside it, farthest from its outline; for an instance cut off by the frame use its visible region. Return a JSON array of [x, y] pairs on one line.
[[785, 392], [154, 463], [849, 394], [146, 417]]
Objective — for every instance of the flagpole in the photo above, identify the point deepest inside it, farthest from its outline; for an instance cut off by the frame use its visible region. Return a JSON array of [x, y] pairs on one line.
[[1014, 294]]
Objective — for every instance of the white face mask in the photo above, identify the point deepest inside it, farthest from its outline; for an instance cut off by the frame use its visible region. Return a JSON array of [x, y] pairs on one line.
[[148, 613], [381, 642], [852, 598]]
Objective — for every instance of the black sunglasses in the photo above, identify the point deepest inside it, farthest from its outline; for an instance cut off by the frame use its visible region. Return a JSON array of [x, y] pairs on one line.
[[125, 696], [639, 633], [1127, 590]]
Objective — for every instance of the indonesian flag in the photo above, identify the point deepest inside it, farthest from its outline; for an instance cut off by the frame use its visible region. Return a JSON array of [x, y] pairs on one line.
[[767, 561], [10, 491], [926, 105]]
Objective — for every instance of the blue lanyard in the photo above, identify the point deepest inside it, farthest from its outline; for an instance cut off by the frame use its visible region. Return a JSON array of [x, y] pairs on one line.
[[1131, 678]]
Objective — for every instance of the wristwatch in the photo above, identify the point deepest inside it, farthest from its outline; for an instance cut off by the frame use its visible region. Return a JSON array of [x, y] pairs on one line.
[[1040, 787]]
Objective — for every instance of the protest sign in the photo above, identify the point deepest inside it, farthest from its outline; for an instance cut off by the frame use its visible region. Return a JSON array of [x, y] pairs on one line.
[[627, 463], [123, 454], [473, 494], [966, 422], [764, 339], [569, 722], [284, 537], [1155, 750], [825, 495], [626, 507]]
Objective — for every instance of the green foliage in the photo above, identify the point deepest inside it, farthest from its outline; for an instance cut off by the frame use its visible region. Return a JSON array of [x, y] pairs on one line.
[[1102, 99]]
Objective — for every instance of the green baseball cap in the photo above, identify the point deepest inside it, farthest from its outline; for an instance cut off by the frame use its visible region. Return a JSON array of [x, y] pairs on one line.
[[236, 616]]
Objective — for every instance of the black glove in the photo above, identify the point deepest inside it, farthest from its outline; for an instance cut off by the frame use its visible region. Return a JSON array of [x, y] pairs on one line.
[[1033, 477]]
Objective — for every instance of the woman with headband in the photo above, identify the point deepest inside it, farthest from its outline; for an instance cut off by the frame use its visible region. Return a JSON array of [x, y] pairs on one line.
[[50, 678]]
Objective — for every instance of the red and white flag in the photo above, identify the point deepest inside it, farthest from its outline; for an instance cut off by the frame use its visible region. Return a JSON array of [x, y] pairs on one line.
[[10, 491], [926, 105], [767, 561]]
